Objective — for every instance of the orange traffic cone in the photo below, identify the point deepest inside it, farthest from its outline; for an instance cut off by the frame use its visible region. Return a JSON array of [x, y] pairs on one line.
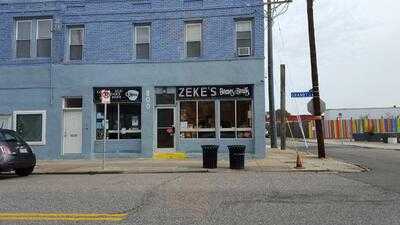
[[299, 162]]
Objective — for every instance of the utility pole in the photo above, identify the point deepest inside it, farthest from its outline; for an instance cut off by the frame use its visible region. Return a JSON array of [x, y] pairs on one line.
[[283, 107], [271, 95], [315, 83]]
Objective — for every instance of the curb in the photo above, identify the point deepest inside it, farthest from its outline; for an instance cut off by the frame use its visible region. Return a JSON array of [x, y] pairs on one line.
[[118, 172], [364, 169]]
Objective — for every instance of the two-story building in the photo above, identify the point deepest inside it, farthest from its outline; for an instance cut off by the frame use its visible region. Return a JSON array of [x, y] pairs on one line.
[[180, 74]]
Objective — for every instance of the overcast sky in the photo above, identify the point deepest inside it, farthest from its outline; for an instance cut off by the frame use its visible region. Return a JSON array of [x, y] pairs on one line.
[[358, 47]]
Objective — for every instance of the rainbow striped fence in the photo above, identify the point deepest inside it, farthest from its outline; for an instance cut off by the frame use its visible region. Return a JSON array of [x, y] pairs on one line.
[[344, 129]]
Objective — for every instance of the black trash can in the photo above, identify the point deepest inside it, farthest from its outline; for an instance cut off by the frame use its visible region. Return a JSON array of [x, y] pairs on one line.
[[210, 156], [236, 156]]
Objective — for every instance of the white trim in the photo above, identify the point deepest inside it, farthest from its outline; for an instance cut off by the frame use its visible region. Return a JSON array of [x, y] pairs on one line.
[[35, 112]]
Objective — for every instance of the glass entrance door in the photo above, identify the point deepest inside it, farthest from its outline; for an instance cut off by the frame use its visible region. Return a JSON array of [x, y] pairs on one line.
[[166, 128]]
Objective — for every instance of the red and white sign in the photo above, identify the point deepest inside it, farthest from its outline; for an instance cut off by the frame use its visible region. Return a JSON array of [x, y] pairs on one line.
[[105, 96]]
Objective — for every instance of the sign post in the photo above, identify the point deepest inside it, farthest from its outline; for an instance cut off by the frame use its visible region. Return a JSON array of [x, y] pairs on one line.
[[105, 99]]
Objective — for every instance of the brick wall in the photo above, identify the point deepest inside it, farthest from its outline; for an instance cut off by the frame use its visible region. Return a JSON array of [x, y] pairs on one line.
[[109, 27]]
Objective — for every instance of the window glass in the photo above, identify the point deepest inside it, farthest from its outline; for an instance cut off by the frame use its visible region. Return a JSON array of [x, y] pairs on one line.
[[76, 36], [23, 43], [73, 103], [244, 114], [243, 26], [243, 35], [227, 114], [44, 38], [206, 114], [127, 127], [193, 32], [193, 40], [142, 42], [29, 127], [24, 30], [142, 34], [188, 115], [130, 123], [197, 119], [165, 99], [44, 29], [236, 119], [76, 44]]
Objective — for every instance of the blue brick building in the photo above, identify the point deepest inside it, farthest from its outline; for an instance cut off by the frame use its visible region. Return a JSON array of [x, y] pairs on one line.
[[179, 74]]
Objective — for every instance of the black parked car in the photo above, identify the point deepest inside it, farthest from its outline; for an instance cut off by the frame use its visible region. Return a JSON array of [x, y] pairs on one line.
[[15, 154]]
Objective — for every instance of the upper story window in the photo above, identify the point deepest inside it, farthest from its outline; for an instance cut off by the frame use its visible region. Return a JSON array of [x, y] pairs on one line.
[[193, 40], [142, 42], [43, 38], [23, 36], [76, 42], [33, 38], [244, 37]]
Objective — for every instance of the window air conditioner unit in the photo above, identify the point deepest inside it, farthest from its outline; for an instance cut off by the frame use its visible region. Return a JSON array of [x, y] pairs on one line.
[[244, 51]]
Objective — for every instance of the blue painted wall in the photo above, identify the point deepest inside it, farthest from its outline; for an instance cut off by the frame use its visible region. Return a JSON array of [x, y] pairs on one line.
[[40, 84]]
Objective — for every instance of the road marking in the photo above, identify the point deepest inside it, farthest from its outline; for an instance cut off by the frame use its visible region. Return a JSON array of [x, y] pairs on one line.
[[62, 217]]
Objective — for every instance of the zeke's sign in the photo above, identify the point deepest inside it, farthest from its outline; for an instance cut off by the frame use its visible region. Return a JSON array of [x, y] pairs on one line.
[[119, 94], [207, 92]]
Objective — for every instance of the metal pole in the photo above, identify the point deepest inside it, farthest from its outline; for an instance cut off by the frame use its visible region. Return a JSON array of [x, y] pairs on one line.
[[271, 97], [105, 135], [315, 83], [283, 107]]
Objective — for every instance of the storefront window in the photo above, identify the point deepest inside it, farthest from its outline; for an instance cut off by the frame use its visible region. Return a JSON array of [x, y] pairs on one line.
[[197, 119], [123, 121], [236, 119]]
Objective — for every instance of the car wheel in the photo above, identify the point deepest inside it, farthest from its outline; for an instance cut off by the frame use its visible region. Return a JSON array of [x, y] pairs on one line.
[[23, 172]]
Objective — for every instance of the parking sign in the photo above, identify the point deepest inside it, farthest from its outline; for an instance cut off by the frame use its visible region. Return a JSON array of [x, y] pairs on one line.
[[105, 96]]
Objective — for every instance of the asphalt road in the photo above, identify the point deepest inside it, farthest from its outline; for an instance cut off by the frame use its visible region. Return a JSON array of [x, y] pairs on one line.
[[384, 165], [207, 198]]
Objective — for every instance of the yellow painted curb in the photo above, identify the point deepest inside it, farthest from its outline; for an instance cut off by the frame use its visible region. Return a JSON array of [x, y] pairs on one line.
[[170, 155]]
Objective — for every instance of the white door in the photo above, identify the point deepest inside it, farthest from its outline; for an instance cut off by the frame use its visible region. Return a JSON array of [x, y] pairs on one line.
[[72, 131], [5, 121]]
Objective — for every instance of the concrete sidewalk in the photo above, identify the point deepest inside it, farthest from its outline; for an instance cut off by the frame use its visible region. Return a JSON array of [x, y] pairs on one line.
[[276, 161], [348, 142]]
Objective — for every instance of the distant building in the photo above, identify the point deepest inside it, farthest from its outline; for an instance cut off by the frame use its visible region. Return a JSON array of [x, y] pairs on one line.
[[359, 113]]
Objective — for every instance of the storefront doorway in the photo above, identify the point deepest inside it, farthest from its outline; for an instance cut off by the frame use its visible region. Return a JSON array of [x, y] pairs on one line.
[[72, 131], [166, 129], [72, 125]]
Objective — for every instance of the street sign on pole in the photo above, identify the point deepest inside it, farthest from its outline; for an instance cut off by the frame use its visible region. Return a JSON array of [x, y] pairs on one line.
[[105, 96], [310, 107], [304, 94], [105, 99]]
